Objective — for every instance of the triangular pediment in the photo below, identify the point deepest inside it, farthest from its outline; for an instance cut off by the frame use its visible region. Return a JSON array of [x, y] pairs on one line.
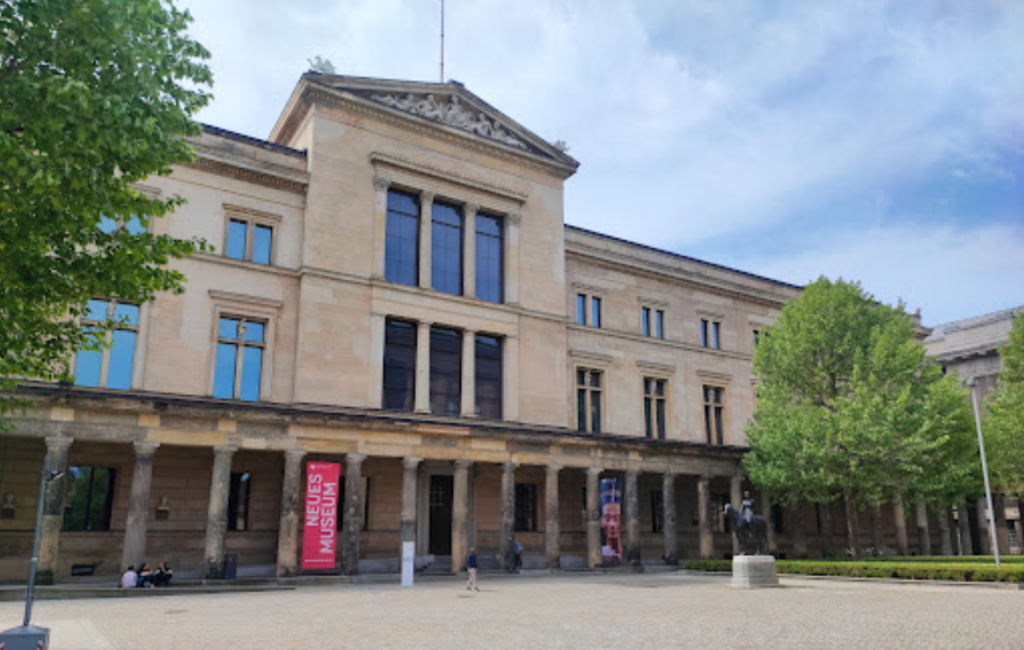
[[449, 105]]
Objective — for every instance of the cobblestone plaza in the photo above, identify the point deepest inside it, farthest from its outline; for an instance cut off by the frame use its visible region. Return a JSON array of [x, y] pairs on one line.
[[667, 610]]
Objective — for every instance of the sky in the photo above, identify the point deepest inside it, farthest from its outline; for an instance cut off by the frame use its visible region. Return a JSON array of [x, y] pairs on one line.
[[874, 140]]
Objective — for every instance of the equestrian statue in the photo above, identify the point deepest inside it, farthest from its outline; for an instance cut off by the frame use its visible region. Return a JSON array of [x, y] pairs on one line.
[[751, 530]]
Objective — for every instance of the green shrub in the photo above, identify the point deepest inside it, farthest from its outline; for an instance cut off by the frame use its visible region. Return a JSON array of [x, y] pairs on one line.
[[907, 570]]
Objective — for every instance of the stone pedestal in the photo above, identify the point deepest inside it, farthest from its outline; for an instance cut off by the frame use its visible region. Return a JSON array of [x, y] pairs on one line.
[[752, 571]]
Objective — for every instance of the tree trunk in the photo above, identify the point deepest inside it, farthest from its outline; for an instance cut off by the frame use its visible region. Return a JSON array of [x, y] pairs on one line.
[[852, 529]]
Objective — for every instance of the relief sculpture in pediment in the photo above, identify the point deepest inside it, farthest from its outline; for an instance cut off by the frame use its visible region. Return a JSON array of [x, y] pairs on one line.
[[451, 113]]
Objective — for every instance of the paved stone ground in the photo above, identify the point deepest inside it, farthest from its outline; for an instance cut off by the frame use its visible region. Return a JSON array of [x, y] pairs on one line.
[[573, 611]]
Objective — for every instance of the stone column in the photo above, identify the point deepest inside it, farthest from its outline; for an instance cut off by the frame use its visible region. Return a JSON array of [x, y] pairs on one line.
[[512, 258], [669, 518], [900, 516], [825, 518], [877, 533], [410, 477], [353, 521], [426, 238], [799, 531], [924, 540], [1002, 530], [217, 514], [984, 537], [468, 374], [134, 550], [291, 513], [469, 250], [53, 508], [707, 539], [460, 515], [594, 517], [736, 499], [552, 540], [945, 543], [769, 520], [380, 224], [508, 508], [422, 390], [963, 521], [632, 503], [510, 380], [378, 327]]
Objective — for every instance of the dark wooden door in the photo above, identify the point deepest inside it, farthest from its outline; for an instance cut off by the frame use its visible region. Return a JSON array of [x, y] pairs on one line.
[[442, 491]]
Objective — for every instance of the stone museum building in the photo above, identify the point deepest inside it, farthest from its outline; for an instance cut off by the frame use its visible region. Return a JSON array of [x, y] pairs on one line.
[[394, 288]]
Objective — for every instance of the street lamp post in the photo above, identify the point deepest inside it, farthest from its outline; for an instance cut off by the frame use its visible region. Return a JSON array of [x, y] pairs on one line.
[[984, 471], [27, 636]]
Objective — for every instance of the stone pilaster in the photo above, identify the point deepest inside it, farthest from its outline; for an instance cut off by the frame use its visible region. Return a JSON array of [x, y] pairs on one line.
[[217, 513], [924, 540], [825, 517], [963, 522], [426, 238], [632, 503], [53, 507], [736, 499], [552, 546], [380, 224], [468, 409], [707, 539], [136, 524], [410, 479], [508, 508], [469, 250], [799, 531], [945, 542], [669, 518], [510, 381], [594, 516], [460, 515], [512, 258], [291, 512], [422, 389], [353, 521], [899, 514]]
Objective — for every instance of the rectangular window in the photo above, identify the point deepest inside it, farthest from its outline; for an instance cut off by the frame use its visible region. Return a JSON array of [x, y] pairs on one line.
[[488, 377], [238, 501], [657, 511], [716, 335], [249, 240], [645, 321], [659, 324], [714, 405], [581, 309], [238, 373], [90, 498], [703, 333], [446, 248], [111, 367], [401, 241], [654, 408], [710, 334], [526, 508], [757, 337], [489, 263], [399, 365], [588, 400], [595, 311], [445, 371]]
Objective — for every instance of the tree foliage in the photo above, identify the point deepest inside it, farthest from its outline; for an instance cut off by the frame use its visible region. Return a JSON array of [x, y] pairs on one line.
[[849, 405], [95, 96], [1004, 428]]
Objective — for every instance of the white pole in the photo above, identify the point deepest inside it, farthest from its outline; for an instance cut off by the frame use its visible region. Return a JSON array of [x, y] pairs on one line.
[[442, 41], [984, 471]]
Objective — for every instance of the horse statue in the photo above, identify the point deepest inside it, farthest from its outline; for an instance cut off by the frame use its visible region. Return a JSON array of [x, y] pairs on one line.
[[749, 528]]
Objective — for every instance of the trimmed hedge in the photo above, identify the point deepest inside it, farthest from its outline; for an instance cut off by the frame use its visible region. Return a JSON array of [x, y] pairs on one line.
[[953, 571]]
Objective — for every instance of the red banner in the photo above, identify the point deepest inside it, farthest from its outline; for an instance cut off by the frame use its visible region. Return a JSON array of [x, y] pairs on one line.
[[320, 537]]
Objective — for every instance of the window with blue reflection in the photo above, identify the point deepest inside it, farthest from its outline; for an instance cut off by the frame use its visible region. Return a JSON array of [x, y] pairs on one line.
[[107, 224], [446, 249], [88, 366], [111, 367], [224, 372], [96, 310], [235, 247], [659, 324], [581, 309], [489, 267], [240, 349], [399, 365], [261, 240], [134, 226], [122, 358], [645, 321], [595, 311], [401, 245], [126, 313], [488, 377], [445, 371], [252, 368]]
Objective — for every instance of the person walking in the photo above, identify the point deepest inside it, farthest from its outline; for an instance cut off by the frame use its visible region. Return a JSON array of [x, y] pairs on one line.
[[471, 568]]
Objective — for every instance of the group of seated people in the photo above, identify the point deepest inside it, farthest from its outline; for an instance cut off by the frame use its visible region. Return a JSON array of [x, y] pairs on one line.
[[146, 577]]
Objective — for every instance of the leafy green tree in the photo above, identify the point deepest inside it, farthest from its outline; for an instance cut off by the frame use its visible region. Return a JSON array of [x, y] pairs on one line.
[[95, 96], [1004, 428], [849, 406]]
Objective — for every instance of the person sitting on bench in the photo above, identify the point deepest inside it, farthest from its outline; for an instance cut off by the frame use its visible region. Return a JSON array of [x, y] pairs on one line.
[[163, 575]]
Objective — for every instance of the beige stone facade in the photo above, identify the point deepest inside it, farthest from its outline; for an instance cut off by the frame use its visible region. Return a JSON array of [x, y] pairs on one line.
[[321, 185]]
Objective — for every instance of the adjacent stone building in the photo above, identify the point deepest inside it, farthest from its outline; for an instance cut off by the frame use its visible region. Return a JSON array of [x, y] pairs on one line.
[[394, 288]]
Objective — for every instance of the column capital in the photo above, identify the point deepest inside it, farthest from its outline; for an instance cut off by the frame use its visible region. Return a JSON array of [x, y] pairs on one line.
[[145, 447], [596, 471], [633, 471], [354, 459], [509, 466], [224, 451], [705, 478], [294, 455], [555, 468], [463, 463], [426, 196], [670, 475], [513, 218], [424, 324], [381, 183], [58, 443], [470, 209], [411, 462]]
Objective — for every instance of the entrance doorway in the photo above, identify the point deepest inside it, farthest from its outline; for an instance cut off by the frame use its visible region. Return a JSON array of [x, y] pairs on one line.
[[442, 492]]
